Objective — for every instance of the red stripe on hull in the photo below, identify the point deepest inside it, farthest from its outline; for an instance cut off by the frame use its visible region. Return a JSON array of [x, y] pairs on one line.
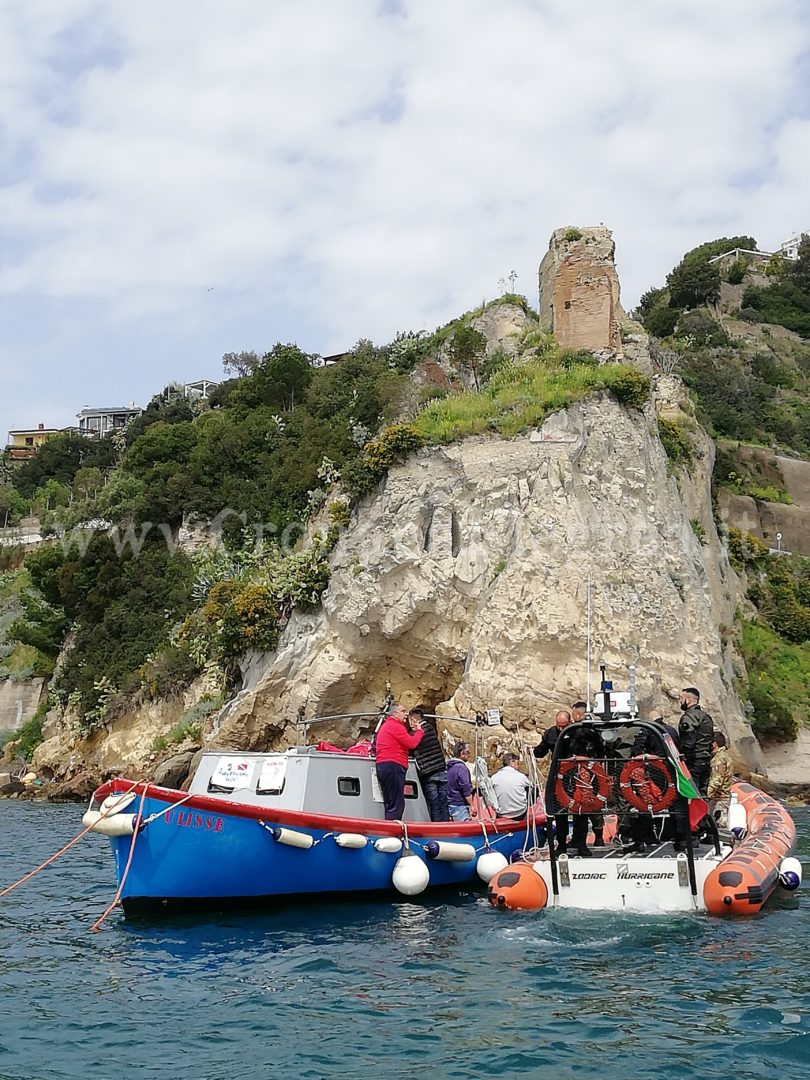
[[440, 830]]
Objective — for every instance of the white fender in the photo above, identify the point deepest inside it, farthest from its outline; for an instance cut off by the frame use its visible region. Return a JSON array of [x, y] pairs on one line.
[[790, 873], [293, 837], [489, 864], [390, 845], [112, 825], [737, 817], [119, 802], [351, 840], [410, 876], [445, 851]]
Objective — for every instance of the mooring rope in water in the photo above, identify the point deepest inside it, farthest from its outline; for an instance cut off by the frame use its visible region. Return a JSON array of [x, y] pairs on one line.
[[70, 843], [138, 819]]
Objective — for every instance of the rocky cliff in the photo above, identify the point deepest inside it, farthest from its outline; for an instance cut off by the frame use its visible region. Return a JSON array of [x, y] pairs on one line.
[[463, 582]]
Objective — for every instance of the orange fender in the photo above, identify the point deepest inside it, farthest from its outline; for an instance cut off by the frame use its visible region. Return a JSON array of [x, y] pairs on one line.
[[742, 883], [518, 888]]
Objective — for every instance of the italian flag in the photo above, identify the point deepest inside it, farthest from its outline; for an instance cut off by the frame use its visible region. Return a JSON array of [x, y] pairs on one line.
[[687, 789], [698, 807]]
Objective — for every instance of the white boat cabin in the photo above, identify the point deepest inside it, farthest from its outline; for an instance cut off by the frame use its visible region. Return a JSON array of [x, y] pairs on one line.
[[305, 779]]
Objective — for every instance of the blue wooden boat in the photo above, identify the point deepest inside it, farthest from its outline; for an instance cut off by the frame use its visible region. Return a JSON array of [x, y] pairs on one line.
[[256, 828]]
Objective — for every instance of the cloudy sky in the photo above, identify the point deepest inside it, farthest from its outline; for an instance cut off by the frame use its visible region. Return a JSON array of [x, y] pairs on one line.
[[178, 180]]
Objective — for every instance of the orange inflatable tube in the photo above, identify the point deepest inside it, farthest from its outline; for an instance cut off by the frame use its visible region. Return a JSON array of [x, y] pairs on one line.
[[742, 883], [518, 887]]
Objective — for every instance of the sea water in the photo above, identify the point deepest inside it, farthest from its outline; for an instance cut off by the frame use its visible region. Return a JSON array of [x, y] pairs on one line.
[[437, 987]]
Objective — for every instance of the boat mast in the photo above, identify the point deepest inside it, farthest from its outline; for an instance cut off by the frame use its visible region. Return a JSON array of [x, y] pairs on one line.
[[588, 650]]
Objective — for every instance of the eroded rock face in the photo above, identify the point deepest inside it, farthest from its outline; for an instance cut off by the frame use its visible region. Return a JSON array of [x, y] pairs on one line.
[[463, 581], [767, 519], [579, 290], [502, 325]]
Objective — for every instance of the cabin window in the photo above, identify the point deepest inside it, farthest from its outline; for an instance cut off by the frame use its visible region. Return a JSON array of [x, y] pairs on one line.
[[411, 790], [348, 785], [272, 775], [231, 774]]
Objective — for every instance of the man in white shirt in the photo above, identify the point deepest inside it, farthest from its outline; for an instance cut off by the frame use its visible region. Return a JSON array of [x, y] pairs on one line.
[[511, 788]]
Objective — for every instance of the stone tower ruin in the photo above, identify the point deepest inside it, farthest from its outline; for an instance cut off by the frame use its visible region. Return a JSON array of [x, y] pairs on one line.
[[579, 289]]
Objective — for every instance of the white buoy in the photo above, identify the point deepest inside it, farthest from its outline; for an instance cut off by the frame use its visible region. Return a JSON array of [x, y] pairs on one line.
[[293, 837], [489, 864], [737, 817], [410, 876], [449, 852], [389, 845], [351, 840], [790, 873]]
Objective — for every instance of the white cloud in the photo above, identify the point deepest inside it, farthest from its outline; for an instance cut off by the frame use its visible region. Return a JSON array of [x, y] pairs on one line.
[[381, 171]]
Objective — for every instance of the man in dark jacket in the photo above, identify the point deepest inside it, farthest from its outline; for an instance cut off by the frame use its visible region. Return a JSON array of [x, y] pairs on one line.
[[587, 744], [696, 734], [431, 766], [549, 740]]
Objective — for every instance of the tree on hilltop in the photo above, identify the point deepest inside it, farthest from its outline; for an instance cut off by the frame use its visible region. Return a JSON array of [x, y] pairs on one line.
[[240, 364], [466, 352]]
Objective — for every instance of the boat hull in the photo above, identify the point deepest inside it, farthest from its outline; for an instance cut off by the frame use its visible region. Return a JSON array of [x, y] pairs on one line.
[[207, 853]]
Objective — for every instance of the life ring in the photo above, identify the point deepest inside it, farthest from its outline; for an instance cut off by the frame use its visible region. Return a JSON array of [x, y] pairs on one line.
[[582, 786], [647, 783]]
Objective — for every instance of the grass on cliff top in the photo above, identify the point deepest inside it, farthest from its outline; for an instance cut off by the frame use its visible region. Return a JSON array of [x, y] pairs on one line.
[[519, 397], [778, 682]]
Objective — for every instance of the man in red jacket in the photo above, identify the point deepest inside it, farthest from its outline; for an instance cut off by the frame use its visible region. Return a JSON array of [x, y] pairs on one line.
[[394, 740]]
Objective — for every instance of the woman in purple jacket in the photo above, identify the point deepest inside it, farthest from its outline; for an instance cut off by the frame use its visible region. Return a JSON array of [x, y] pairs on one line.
[[459, 784]]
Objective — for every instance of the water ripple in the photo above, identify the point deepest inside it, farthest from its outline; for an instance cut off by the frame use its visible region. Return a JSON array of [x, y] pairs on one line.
[[383, 989]]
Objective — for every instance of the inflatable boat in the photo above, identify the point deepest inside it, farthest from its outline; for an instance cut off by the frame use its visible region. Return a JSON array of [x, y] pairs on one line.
[[668, 854], [256, 828]]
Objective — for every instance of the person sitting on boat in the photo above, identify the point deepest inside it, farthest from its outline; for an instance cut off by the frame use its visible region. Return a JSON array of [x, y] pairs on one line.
[[512, 788], [722, 773], [394, 740], [431, 766], [459, 784], [696, 731]]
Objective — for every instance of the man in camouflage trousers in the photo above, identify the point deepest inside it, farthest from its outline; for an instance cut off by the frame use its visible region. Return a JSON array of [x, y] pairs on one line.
[[722, 772]]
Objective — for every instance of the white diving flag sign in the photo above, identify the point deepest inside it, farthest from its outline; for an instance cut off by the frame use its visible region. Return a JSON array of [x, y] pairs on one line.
[[233, 773]]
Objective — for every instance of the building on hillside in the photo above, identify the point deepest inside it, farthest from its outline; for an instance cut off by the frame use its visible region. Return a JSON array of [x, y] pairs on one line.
[[96, 423], [23, 444], [746, 255], [200, 389], [790, 248]]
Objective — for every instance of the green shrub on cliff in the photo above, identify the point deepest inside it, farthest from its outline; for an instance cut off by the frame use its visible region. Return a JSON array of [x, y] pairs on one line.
[[246, 602], [120, 608], [778, 683], [519, 397], [391, 446], [675, 441]]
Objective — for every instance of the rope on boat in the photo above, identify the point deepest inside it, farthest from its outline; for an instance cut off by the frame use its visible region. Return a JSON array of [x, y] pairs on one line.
[[110, 810], [160, 813], [98, 923]]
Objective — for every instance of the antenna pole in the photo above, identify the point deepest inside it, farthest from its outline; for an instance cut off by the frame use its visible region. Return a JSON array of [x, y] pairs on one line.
[[588, 650]]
